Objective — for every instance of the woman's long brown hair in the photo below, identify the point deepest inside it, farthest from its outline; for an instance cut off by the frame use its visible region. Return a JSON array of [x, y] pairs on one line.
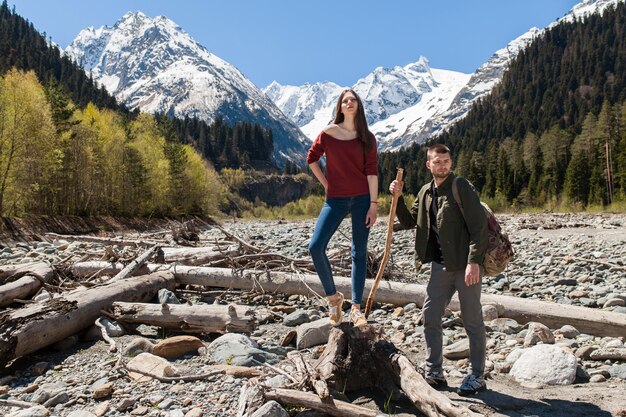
[[360, 122]]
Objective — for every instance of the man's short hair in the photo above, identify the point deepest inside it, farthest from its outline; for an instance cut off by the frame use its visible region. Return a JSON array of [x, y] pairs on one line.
[[438, 148]]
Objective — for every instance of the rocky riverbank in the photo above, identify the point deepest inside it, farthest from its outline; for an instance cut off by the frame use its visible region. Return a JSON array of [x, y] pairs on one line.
[[568, 259]]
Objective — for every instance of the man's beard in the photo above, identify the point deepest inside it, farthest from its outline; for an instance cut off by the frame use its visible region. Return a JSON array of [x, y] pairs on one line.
[[441, 176]]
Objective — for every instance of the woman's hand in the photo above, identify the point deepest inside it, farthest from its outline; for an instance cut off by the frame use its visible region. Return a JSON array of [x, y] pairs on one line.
[[371, 216]]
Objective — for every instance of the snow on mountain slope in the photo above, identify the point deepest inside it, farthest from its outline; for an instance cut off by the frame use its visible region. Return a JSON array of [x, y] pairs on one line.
[[154, 65], [413, 103]]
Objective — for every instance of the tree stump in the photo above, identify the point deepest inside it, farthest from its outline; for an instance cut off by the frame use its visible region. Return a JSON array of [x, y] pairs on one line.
[[362, 358]]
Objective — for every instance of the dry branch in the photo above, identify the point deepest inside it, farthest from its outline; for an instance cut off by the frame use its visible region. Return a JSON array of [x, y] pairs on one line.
[[134, 265]]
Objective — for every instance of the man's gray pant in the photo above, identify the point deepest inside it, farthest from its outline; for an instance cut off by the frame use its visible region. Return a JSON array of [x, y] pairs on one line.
[[441, 287]]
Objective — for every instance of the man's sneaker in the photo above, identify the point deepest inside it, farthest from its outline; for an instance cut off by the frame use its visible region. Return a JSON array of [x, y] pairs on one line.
[[471, 385], [433, 378]]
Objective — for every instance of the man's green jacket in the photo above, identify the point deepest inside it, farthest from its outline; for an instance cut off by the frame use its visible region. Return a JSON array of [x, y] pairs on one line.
[[462, 242]]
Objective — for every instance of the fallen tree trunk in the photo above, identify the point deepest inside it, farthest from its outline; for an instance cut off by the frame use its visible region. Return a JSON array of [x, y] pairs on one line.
[[32, 277], [136, 263], [197, 318], [198, 255], [591, 321], [33, 327]]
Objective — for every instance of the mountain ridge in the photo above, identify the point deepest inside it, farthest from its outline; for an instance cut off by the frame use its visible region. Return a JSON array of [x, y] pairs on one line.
[[396, 130], [154, 65]]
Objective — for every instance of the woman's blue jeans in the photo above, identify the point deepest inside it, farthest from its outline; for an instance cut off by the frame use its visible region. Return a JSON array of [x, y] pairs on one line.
[[334, 211]]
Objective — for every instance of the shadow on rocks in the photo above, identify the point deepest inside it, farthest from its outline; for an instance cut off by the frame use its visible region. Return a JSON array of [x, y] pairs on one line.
[[508, 405]]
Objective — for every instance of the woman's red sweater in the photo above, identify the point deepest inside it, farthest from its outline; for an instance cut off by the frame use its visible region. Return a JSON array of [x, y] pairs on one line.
[[347, 164]]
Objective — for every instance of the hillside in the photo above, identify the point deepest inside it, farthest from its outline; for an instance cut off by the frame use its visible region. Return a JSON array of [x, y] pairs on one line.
[[545, 133]]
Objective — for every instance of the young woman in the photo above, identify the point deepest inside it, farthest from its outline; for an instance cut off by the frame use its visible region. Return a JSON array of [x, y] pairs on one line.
[[351, 184]]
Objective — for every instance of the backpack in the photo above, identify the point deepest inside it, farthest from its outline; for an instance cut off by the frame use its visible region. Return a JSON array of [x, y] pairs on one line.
[[499, 250]]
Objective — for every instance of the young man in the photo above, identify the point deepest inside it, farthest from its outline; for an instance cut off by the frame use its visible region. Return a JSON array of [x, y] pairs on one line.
[[456, 248]]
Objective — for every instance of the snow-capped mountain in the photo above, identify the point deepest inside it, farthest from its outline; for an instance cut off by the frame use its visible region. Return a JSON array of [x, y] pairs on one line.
[[154, 65], [394, 98], [413, 103], [310, 106]]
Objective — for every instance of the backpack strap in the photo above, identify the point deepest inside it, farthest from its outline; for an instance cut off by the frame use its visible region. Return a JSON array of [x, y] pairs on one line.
[[457, 196]]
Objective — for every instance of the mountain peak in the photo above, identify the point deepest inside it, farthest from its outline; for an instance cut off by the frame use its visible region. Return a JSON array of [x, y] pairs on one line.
[[154, 65]]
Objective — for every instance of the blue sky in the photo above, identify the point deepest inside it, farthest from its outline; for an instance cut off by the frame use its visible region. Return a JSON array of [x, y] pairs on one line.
[[296, 41]]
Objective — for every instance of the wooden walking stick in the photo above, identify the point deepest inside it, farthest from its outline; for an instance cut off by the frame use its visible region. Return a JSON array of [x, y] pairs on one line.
[[383, 263]]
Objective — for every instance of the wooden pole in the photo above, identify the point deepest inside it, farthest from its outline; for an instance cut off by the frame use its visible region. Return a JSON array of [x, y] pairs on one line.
[[383, 263]]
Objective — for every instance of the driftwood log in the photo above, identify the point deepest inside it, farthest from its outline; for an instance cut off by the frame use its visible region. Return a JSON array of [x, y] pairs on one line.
[[361, 357], [306, 399], [189, 318], [129, 269], [25, 280], [523, 310], [36, 326]]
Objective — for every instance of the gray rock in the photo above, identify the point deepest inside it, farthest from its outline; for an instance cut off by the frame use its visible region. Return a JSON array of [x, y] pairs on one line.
[[37, 411], [611, 302], [81, 413], [296, 318], [165, 296], [313, 334], [538, 332], [597, 378], [137, 346], [277, 381], [126, 404], [166, 404], [490, 312], [113, 328], [618, 371], [585, 352], [615, 354], [270, 409], [240, 350], [410, 307], [567, 331], [503, 325], [515, 355], [457, 350], [47, 391], [42, 296], [545, 365], [60, 398]]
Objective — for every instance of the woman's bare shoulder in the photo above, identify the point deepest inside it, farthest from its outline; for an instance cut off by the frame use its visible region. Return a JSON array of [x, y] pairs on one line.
[[332, 129]]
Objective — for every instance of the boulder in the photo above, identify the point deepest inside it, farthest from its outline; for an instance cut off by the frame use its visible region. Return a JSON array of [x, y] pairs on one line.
[[313, 334], [545, 365], [176, 346]]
